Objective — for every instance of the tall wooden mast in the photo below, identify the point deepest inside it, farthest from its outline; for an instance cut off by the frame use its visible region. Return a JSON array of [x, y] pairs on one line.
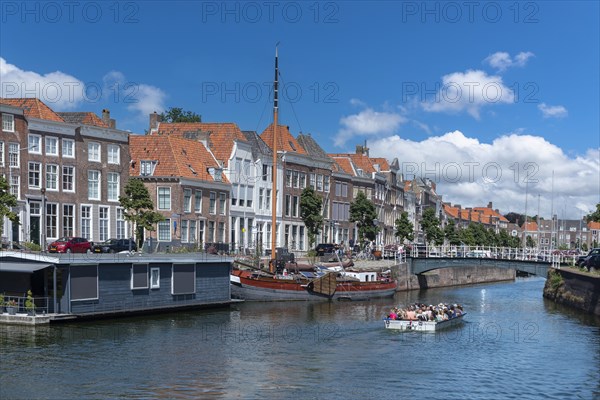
[[272, 264]]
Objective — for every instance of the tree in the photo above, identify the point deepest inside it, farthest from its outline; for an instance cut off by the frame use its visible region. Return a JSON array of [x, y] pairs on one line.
[[595, 216], [529, 242], [451, 234], [431, 227], [7, 202], [176, 114], [311, 205], [362, 212], [404, 228], [139, 208]]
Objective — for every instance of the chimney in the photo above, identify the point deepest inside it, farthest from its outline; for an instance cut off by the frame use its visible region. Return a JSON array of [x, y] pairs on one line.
[[490, 206], [359, 149], [154, 121]]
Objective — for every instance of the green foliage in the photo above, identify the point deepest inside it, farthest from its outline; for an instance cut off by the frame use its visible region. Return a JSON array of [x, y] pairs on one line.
[[139, 208], [404, 228], [1, 299], [595, 216], [7, 202], [362, 212], [311, 205], [431, 227], [450, 233], [29, 303], [32, 246], [529, 242], [556, 280], [176, 114]]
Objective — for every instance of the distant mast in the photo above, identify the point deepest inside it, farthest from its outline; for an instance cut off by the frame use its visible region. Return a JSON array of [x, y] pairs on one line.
[[274, 172]]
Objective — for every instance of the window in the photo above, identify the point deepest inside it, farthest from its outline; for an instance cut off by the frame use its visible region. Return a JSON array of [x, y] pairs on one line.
[[121, 231], [8, 122], [295, 206], [68, 148], [302, 180], [295, 179], [212, 207], [326, 184], [320, 183], [34, 175], [2, 154], [288, 204], [164, 198], [68, 178], [268, 200], [94, 185], [198, 201], [154, 278], [94, 151], [234, 194], [139, 276], [266, 172], [86, 222], [222, 203], [164, 230], [51, 146], [312, 181], [51, 219], [211, 231], [200, 230], [187, 200], [183, 279], [222, 231], [193, 231], [103, 223], [84, 282], [261, 196], [147, 167], [113, 186], [250, 196], [13, 155], [34, 144], [184, 231], [15, 186], [113, 154], [288, 178], [268, 236], [52, 177], [68, 224]]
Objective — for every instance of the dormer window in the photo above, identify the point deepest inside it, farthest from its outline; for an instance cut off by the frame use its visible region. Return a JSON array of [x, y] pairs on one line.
[[147, 167]]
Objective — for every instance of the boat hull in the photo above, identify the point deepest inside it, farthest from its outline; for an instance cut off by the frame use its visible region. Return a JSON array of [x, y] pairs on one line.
[[422, 326], [243, 286]]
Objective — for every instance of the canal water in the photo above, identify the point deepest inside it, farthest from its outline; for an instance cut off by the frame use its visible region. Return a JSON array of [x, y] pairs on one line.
[[512, 345]]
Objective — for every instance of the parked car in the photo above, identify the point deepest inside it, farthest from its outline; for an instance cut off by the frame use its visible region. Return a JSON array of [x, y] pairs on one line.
[[115, 246], [70, 245], [592, 261], [325, 248], [581, 259]]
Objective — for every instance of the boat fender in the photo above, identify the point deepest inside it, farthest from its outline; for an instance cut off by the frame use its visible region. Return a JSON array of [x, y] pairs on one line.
[[387, 322]]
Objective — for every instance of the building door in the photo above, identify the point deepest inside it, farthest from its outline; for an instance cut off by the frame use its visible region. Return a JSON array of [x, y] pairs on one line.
[[15, 232], [34, 229]]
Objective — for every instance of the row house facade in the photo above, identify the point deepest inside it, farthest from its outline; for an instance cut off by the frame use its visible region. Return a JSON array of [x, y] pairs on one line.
[[67, 171], [188, 188], [489, 217]]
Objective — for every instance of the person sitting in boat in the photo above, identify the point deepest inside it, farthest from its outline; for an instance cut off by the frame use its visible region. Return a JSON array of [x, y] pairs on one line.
[[411, 315], [393, 314]]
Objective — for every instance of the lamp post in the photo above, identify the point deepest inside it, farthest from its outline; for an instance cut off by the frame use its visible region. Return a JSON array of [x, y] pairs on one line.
[[43, 220]]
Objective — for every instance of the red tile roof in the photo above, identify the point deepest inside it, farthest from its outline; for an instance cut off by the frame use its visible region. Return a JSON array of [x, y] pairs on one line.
[[85, 118], [222, 134], [285, 140], [345, 164], [360, 161], [484, 215], [176, 156], [594, 225], [33, 108], [530, 226]]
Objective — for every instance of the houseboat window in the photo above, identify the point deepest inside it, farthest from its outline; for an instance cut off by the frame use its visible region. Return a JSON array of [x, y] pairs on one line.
[[139, 276], [84, 283], [184, 279], [154, 278]]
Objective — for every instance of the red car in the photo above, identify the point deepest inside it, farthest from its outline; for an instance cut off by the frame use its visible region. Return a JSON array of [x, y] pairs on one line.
[[70, 245]]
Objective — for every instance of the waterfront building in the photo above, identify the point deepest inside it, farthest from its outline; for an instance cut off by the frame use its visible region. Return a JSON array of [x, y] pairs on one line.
[[67, 171]]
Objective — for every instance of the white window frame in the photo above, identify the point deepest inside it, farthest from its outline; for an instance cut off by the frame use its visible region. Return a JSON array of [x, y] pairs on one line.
[[90, 219], [184, 230], [153, 284], [158, 194], [39, 172], [187, 200], [119, 212], [103, 220], [2, 154], [51, 139], [131, 279], [212, 206], [73, 220], [48, 174], [99, 185], [113, 158], [6, 125], [198, 203], [72, 178], [158, 231], [92, 152], [15, 183], [116, 187], [34, 148], [17, 154], [49, 217], [71, 146]]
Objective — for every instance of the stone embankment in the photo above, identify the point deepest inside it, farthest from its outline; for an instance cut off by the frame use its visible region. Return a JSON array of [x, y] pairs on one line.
[[574, 288]]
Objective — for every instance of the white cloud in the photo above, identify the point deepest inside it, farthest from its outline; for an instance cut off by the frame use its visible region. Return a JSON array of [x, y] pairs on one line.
[[140, 98], [469, 91], [553, 111], [502, 60], [58, 90], [472, 173], [367, 122]]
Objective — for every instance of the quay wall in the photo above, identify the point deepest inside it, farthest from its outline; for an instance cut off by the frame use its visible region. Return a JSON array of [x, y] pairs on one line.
[[456, 276], [574, 289]]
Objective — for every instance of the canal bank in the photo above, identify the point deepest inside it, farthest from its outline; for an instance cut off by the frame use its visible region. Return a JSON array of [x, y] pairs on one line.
[[574, 288]]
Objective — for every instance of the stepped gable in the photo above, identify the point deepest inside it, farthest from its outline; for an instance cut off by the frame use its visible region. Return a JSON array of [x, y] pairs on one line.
[[83, 118], [33, 108], [176, 156], [285, 140]]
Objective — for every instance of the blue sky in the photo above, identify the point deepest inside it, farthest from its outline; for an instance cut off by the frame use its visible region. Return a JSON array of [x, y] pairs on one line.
[[475, 95]]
